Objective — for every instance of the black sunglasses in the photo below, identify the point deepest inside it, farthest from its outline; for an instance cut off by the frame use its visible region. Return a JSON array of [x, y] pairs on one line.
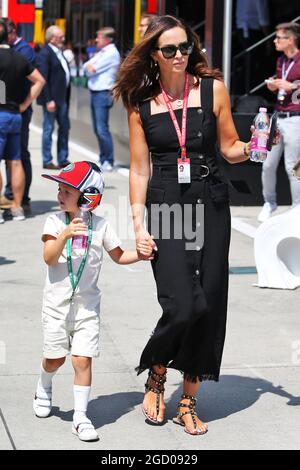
[[170, 51]]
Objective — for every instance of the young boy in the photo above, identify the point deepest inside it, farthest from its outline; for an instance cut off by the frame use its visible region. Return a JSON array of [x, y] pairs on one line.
[[71, 301]]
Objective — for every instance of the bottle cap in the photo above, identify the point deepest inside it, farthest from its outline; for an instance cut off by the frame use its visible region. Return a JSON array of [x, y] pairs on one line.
[[263, 110]]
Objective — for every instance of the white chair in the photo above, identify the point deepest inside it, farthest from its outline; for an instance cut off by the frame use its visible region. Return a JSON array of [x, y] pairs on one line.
[[277, 251]]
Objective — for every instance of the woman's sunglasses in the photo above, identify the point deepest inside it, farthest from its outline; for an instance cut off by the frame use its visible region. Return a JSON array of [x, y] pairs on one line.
[[170, 51]]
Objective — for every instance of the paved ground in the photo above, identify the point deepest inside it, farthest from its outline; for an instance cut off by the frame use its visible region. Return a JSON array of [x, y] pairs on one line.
[[255, 405]]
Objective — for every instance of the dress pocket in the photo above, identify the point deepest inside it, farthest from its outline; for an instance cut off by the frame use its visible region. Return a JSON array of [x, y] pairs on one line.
[[219, 193], [155, 195]]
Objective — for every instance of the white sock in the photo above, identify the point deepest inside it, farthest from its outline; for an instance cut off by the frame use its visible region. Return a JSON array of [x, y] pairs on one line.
[[81, 399], [44, 386]]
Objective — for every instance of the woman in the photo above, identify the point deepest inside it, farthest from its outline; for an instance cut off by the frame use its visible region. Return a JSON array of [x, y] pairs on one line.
[[162, 76]]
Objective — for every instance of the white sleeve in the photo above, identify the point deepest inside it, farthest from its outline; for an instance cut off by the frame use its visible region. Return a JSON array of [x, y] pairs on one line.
[[52, 226], [110, 239]]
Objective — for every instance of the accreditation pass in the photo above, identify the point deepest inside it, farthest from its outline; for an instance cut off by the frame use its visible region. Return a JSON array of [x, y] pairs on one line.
[[184, 170]]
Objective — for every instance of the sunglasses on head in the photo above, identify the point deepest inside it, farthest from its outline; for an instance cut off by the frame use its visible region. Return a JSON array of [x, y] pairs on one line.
[[170, 51]]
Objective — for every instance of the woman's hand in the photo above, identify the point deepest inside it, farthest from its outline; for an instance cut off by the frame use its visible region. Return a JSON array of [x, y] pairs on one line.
[[144, 251], [75, 228], [145, 244], [247, 147]]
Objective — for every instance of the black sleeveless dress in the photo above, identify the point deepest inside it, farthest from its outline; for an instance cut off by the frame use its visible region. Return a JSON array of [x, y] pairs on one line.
[[192, 283]]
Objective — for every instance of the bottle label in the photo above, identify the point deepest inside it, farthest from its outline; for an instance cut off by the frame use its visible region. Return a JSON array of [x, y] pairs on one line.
[[259, 143], [79, 242]]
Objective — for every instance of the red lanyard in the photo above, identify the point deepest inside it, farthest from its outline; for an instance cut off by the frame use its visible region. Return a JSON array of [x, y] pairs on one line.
[[181, 134]]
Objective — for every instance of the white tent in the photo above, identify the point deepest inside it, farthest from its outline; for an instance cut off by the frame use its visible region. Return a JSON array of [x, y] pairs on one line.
[[277, 251]]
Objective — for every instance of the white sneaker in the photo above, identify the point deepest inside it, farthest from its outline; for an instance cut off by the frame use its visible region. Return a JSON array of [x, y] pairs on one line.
[[266, 211], [42, 405], [106, 166], [85, 431], [1, 218], [17, 214]]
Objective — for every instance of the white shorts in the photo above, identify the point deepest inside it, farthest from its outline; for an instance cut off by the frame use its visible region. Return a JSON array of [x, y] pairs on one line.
[[78, 337]]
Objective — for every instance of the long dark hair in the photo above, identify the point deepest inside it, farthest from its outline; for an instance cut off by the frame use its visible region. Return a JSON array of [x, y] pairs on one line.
[[138, 77]]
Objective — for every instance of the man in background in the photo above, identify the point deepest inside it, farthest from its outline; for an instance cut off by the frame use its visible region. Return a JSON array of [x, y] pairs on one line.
[[286, 85], [22, 47], [146, 19], [14, 70], [101, 71], [55, 97]]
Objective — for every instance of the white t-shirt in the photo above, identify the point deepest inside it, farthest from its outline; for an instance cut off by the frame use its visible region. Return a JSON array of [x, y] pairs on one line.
[[58, 289]]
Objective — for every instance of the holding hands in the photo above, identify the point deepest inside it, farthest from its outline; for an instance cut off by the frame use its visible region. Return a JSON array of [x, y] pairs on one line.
[[145, 245]]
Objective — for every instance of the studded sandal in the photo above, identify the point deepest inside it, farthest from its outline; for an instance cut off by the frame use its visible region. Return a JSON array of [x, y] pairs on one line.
[[191, 410], [155, 384]]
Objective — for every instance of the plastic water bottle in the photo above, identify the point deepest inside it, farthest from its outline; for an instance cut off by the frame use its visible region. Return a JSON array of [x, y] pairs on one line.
[[79, 242], [258, 149]]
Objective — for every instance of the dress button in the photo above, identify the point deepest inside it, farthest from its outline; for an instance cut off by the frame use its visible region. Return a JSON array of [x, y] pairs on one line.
[[199, 134], [197, 272], [200, 157], [198, 224], [199, 201], [198, 248], [199, 111]]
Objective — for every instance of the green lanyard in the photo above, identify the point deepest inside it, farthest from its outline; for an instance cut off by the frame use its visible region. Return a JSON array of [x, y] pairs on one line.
[[74, 282]]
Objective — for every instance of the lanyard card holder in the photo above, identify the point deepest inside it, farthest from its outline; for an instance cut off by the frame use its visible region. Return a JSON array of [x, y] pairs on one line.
[[184, 168], [183, 163], [184, 171]]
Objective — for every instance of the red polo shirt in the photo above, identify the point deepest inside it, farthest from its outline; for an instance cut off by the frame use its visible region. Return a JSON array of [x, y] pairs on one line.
[[294, 74]]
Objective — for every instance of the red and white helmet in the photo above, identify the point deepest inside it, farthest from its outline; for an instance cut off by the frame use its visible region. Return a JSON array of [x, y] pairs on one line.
[[87, 178]]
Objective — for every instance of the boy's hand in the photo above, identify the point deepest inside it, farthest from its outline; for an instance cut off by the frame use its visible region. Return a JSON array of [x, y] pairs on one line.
[[76, 227], [145, 245], [144, 250]]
